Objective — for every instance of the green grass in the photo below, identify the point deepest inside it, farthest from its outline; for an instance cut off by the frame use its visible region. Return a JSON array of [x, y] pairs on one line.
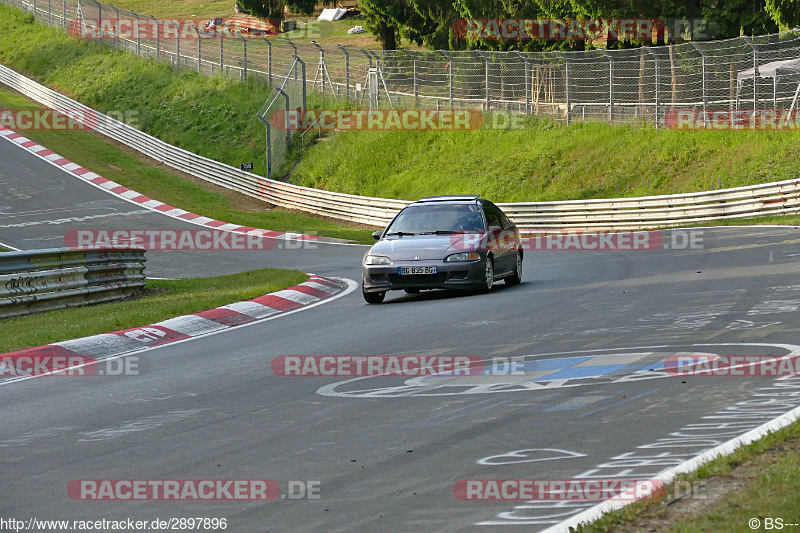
[[547, 162], [165, 299], [773, 492]]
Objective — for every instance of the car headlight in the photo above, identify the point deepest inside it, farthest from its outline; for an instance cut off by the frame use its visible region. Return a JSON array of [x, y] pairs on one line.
[[463, 256], [377, 260]]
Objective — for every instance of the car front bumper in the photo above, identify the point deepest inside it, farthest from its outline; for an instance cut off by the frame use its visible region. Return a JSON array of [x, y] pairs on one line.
[[466, 275]]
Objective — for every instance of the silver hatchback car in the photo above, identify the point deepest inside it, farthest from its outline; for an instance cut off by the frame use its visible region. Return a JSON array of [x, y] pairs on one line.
[[443, 242]]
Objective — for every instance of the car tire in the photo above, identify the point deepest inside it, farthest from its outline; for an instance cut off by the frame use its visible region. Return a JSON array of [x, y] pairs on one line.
[[488, 276], [374, 297], [516, 276], [411, 291]]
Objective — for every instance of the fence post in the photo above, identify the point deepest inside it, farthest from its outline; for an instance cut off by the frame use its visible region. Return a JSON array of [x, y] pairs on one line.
[[655, 61], [414, 67], [64, 13], [303, 74], [346, 69], [321, 67], [199, 48], [295, 56], [563, 56], [221, 55], [703, 81], [244, 58], [369, 75], [138, 39], [269, 62], [449, 75], [527, 82], [116, 29], [49, 13], [158, 37], [610, 85], [749, 42], [268, 127], [486, 78], [178, 43]]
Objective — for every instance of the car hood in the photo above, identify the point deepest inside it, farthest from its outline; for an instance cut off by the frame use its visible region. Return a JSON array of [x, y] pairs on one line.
[[423, 247]]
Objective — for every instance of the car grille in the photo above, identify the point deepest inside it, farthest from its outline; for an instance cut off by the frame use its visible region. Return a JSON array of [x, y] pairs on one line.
[[417, 279]]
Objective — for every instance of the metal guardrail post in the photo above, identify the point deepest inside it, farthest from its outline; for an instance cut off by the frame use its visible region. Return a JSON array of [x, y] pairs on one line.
[[346, 69]]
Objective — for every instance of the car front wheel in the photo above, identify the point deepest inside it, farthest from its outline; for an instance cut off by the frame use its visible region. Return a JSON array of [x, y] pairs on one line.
[[488, 276], [516, 276]]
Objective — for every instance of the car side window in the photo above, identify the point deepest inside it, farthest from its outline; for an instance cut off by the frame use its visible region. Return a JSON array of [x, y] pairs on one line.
[[507, 224], [493, 215]]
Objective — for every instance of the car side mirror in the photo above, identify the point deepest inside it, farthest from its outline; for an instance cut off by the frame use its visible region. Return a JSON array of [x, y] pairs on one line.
[[377, 234]]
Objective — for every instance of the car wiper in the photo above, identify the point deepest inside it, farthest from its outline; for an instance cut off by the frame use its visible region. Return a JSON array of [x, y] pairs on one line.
[[438, 232], [400, 233]]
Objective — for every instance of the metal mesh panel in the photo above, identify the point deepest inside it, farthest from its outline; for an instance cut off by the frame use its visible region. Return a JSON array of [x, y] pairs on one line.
[[641, 84]]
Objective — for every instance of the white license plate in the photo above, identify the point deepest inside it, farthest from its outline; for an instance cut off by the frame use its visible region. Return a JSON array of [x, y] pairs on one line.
[[410, 271]]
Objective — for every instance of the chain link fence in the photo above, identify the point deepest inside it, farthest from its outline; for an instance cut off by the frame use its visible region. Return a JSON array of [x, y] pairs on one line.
[[639, 84]]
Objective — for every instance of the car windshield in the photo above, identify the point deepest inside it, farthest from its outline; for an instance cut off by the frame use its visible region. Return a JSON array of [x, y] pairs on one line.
[[433, 218]]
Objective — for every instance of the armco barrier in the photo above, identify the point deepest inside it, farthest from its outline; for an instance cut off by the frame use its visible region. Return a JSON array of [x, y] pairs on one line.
[[776, 198], [43, 280]]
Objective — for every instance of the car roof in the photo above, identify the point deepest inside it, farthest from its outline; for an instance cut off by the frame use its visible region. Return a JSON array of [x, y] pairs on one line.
[[450, 198]]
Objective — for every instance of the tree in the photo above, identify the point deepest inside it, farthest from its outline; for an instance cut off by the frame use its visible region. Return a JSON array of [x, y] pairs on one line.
[[785, 13], [272, 9]]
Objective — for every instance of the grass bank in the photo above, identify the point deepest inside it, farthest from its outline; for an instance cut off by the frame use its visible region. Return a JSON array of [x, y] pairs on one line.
[[548, 162], [163, 299]]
